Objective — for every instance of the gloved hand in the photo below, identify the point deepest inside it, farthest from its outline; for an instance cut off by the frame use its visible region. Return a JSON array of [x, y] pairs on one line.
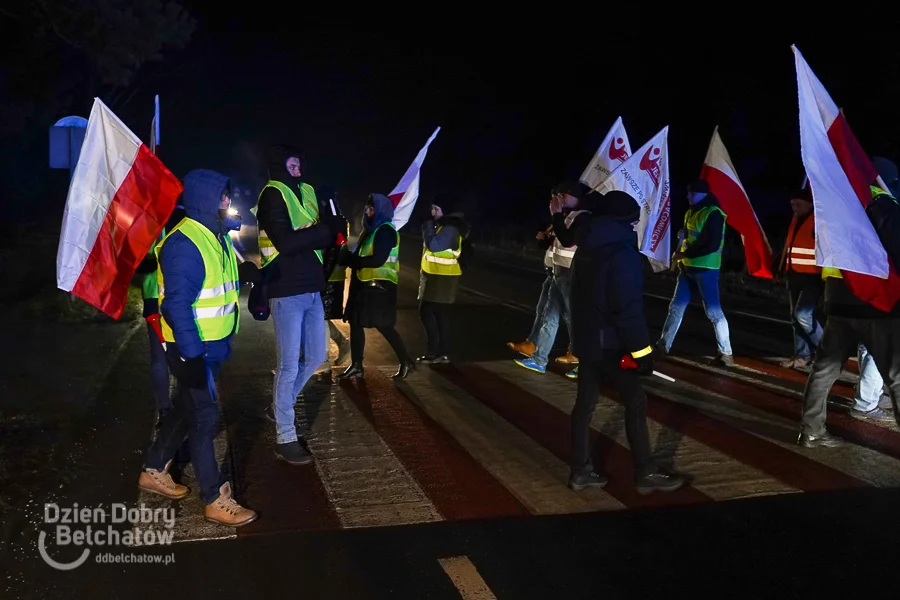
[[191, 372], [644, 364], [336, 223]]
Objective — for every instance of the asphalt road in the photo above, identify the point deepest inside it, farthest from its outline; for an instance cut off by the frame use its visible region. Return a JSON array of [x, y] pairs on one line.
[[452, 483]]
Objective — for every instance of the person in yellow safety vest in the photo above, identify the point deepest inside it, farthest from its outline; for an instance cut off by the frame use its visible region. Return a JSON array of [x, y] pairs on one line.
[[336, 279], [159, 369], [441, 268], [198, 301], [372, 301], [699, 258], [852, 320], [292, 236]]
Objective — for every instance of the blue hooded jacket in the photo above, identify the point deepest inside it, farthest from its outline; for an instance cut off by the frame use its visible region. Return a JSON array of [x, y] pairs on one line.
[[183, 267]]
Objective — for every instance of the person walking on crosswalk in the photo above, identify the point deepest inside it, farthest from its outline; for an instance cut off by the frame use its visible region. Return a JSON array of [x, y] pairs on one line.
[[608, 324]]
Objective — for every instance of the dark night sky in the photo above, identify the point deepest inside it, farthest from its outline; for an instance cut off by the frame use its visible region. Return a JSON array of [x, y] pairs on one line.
[[522, 102]]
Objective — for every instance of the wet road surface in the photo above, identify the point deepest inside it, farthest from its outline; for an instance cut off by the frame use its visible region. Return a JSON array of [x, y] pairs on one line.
[[452, 483]]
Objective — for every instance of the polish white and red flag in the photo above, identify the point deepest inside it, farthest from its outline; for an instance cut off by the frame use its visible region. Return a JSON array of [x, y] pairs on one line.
[[840, 174], [119, 200], [645, 177], [613, 151], [719, 172], [406, 193]]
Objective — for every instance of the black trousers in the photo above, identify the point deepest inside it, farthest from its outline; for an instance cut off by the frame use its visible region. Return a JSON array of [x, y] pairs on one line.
[[839, 342], [627, 384], [358, 343], [435, 323]]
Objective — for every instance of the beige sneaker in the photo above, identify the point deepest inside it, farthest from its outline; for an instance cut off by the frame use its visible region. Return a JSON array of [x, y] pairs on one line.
[[568, 359], [162, 484], [226, 511]]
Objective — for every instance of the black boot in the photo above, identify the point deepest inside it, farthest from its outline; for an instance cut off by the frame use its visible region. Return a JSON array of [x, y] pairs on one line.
[[405, 369], [354, 370]]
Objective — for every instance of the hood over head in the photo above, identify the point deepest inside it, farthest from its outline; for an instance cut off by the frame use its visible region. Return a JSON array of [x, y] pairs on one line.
[[384, 211], [276, 159], [203, 189]]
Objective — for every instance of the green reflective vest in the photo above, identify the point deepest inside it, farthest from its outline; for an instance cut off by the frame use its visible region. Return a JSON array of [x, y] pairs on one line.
[[694, 222], [304, 212], [390, 270], [216, 309], [150, 286], [340, 272], [445, 262]]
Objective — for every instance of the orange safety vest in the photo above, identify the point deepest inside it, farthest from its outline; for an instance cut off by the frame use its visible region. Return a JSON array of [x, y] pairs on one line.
[[801, 254]]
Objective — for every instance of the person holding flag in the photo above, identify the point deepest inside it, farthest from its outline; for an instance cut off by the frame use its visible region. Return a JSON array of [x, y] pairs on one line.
[[372, 302], [198, 300], [699, 259], [852, 320], [292, 235], [804, 279]]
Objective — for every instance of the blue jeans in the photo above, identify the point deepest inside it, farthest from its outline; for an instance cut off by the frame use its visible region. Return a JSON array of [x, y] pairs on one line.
[[706, 282], [804, 290], [539, 309], [557, 305], [195, 413], [299, 327], [159, 371], [868, 390]]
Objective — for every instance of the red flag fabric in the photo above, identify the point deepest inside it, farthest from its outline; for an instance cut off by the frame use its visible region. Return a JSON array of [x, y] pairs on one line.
[[119, 200], [840, 174], [719, 172]]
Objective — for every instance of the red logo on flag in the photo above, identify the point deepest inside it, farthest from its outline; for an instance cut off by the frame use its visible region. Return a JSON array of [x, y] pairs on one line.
[[617, 152], [651, 165]]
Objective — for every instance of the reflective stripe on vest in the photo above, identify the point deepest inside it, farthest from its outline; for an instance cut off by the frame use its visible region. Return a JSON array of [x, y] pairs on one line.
[[216, 308], [563, 255], [445, 262], [390, 270], [802, 253], [304, 212], [694, 222], [548, 257]]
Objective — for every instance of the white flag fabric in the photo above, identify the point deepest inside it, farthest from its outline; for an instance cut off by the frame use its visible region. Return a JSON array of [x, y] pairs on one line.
[[120, 197], [406, 193], [845, 238], [645, 177], [613, 151]]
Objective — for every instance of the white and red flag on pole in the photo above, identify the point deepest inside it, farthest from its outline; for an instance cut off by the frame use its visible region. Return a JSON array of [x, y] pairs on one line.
[[613, 151], [406, 193], [645, 177], [840, 174], [119, 200], [719, 172]]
